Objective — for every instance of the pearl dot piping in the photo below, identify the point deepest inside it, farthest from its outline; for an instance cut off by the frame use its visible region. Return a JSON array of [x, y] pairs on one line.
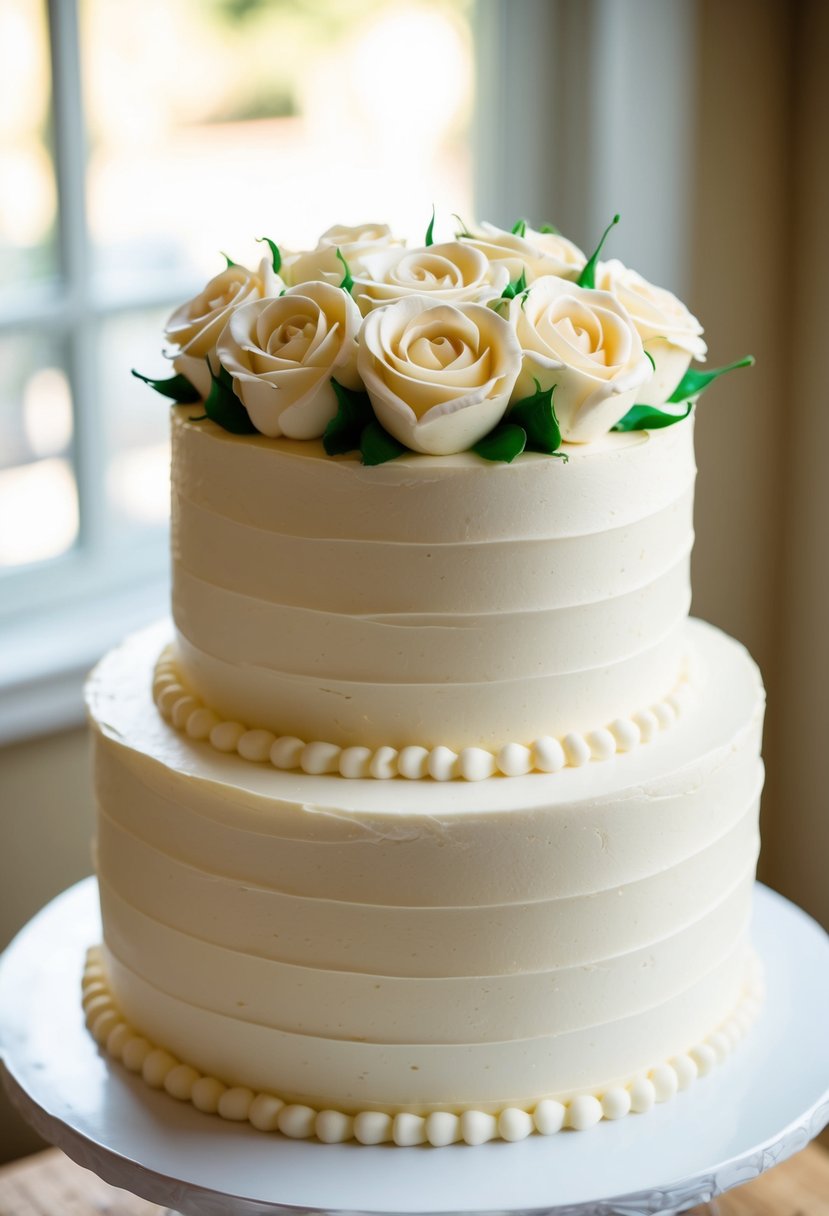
[[179, 706], [268, 1113]]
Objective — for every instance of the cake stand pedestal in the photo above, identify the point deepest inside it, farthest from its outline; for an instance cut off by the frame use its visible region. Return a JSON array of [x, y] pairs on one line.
[[764, 1104]]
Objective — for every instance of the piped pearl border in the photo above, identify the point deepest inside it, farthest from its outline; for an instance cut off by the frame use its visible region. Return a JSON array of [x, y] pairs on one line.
[[267, 1113], [178, 705]]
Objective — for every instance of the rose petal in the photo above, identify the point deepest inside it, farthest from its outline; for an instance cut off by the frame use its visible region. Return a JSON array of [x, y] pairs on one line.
[[438, 375]]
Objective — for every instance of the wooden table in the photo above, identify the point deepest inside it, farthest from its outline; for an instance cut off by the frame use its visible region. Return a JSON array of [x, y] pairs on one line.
[[49, 1184]]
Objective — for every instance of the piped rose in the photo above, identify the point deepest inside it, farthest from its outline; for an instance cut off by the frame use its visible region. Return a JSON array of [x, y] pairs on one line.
[[533, 254], [354, 244], [194, 328], [583, 342], [451, 272], [283, 353], [671, 335], [439, 376]]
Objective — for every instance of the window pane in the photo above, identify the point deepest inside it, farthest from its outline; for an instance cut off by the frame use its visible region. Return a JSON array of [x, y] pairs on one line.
[[38, 494], [27, 180], [269, 118], [136, 423]]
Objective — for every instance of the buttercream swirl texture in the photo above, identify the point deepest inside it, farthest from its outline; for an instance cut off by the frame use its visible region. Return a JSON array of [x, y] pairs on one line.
[[411, 948], [435, 601], [265, 1112]]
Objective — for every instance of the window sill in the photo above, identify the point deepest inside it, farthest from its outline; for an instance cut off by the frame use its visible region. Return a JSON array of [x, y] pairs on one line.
[[45, 659]]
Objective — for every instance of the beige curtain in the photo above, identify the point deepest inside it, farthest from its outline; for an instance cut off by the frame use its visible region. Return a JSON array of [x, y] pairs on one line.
[[760, 272]]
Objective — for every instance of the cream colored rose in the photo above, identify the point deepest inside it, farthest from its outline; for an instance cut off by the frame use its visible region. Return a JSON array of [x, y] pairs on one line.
[[353, 243], [534, 253], [672, 335], [194, 327], [439, 375], [283, 353], [584, 343], [452, 272]]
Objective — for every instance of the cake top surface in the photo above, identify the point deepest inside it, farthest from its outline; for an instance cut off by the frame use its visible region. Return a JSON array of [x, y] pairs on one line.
[[120, 702]]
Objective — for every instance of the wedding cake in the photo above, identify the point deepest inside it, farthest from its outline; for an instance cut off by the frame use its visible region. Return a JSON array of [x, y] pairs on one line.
[[431, 816]]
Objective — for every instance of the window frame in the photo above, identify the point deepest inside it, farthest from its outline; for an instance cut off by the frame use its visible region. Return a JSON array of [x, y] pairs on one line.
[[59, 614]]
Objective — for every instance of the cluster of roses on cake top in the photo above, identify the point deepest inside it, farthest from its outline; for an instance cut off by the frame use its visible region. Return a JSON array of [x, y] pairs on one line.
[[496, 342]]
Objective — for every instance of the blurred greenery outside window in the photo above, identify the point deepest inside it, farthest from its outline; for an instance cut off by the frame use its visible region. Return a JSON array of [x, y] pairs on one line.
[[137, 140]]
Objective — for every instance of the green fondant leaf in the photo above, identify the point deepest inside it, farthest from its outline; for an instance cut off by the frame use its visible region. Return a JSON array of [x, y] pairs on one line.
[[549, 229], [537, 416], [377, 445], [276, 256], [587, 278], [649, 418], [229, 260], [178, 388], [354, 413], [519, 228], [464, 230], [347, 282], [515, 287], [224, 408], [430, 231], [650, 359], [694, 381], [505, 442]]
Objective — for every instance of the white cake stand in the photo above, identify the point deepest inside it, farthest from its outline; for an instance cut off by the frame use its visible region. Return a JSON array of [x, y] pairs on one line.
[[764, 1104]]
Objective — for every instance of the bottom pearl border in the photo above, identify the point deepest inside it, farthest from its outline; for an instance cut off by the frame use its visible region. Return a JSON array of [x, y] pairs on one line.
[[161, 1070]]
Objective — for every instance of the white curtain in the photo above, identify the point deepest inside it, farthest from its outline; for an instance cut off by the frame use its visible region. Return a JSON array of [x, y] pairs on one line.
[[704, 122]]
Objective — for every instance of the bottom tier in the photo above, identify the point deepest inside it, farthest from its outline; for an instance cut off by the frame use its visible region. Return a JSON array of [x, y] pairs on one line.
[[543, 943]]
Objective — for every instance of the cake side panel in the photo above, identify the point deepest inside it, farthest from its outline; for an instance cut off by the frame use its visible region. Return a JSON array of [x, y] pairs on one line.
[[430, 602], [610, 931]]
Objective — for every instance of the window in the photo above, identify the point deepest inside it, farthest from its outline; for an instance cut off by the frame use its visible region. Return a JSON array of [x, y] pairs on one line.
[[137, 140]]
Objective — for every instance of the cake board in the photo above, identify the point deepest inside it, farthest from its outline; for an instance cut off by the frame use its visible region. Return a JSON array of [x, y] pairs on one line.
[[767, 1101]]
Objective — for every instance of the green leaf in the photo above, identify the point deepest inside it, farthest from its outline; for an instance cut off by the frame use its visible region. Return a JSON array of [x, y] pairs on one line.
[[464, 230], [229, 260], [178, 388], [354, 413], [650, 359], [694, 381], [549, 229], [347, 282], [649, 418], [537, 416], [515, 287], [276, 256], [430, 231], [519, 228], [224, 408], [505, 442], [377, 445], [587, 278]]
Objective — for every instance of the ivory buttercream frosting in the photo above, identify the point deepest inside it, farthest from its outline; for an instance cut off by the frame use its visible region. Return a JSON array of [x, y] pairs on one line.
[[430, 816]]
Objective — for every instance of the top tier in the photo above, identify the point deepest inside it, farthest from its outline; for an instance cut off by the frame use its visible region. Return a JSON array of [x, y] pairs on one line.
[[435, 599]]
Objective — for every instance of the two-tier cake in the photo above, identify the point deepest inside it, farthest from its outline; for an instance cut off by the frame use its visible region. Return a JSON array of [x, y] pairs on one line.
[[432, 817]]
